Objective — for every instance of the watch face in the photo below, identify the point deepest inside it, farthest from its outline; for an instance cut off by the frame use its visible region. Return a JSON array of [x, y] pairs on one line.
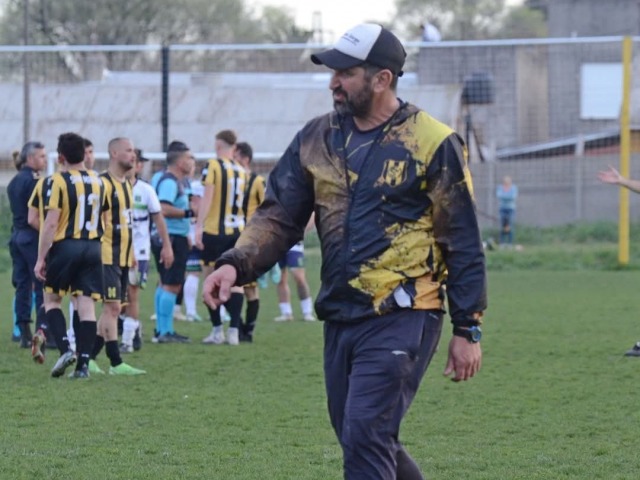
[[475, 334]]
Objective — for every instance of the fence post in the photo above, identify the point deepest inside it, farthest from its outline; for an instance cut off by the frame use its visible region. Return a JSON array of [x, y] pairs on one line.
[[625, 151], [579, 177], [165, 97]]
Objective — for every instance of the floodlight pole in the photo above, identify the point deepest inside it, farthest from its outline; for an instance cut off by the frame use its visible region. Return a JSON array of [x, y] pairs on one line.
[[26, 84]]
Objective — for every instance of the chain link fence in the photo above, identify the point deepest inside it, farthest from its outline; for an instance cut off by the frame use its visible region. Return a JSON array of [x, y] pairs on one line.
[[544, 112]]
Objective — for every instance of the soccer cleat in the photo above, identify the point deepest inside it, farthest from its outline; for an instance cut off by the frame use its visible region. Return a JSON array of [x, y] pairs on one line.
[[137, 339], [194, 318], [67, 359], [233, 336], [173, 338], [155, 337], [309, 317], [634, 351], [125, 369], [214, 338], [179, 317], [15, 338], [95, 368], [283, 318], [153, 317], [82, 373], [37, 347], [124, 348]]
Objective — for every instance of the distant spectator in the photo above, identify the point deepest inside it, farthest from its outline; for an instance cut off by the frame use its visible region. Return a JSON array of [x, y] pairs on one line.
[[507, 194], [430, 32]]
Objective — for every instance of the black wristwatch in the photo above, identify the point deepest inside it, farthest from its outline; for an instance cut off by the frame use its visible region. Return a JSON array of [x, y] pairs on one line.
[[472, 334]]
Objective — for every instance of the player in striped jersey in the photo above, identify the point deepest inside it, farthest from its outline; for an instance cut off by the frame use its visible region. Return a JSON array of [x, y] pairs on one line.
[[220, 220], [253, 197], [69, 255], [117, 254]]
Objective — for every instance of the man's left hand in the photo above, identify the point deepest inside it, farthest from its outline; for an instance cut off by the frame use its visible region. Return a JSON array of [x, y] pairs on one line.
[[464, 360]]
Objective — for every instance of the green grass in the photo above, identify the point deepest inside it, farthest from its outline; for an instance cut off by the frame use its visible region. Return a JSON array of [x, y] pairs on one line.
[[555, 399]]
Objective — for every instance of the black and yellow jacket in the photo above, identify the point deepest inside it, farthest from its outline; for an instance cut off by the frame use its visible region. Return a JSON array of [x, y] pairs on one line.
[[392, 237]]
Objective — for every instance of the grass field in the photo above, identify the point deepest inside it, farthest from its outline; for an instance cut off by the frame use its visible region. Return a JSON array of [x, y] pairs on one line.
[[555, 399]]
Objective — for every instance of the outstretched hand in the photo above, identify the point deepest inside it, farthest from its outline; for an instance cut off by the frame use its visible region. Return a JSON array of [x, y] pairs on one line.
[[464, 359], [611, 176], [216, 289]]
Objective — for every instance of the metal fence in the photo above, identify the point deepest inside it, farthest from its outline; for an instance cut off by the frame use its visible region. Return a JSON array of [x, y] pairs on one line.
[[545, 112]]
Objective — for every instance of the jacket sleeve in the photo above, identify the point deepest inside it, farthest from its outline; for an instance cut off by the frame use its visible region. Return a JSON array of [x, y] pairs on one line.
[[456, 231], [278, 223]]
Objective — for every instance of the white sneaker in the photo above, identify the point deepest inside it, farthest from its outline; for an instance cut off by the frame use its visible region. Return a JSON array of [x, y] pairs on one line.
[[309, 317], [153, 317], [179, 317], [214, 338], [233, 336], [283, 318]]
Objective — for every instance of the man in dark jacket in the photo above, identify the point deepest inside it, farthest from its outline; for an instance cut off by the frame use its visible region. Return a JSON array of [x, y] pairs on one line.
[[396, 218], [29, 162]]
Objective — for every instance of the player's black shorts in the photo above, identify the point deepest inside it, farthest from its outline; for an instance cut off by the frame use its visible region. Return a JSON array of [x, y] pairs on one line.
[[75, 266], [215, 246], [116, 281], [175, 274]]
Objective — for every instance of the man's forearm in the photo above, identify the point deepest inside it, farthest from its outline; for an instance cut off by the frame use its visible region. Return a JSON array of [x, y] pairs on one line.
[[633, 185]]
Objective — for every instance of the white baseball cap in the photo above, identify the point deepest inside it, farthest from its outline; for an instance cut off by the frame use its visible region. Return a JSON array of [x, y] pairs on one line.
[[367, 42]]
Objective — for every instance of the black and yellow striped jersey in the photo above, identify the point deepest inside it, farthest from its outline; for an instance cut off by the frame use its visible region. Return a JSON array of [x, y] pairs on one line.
[[117, 240], [37, 197], [80, 197], [253, 194], [226, 215]]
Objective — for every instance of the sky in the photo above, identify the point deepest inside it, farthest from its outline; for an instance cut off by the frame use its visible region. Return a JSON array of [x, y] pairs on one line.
[[337, 15]]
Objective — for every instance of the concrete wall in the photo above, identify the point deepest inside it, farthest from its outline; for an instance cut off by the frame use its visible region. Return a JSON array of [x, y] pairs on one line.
[[267, 116], [589, 18]]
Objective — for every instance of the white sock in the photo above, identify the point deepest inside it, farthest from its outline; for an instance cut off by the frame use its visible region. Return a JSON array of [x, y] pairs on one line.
[[129, 330], [218, 329], [191, 294], [285, 308], [307, 306], [70, 317]]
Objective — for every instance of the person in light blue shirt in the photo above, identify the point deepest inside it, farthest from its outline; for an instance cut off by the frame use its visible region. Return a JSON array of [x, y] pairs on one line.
[[507, 194], [174, 201]]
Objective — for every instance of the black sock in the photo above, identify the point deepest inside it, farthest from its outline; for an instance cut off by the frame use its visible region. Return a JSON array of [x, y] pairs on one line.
[[98, 343], [58, 327], [234, 307], [76, 323], [253, 306], [41, 322], [214, 316], [180, 296], [85, 338], [113, 352]]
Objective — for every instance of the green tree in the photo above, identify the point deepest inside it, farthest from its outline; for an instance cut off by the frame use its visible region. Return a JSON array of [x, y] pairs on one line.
[[457, 19], [523, 22], [129, 22]]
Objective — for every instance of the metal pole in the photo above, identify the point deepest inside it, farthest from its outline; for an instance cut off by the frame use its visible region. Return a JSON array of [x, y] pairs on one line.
[[165, 98], [625, 152], [26, 87]]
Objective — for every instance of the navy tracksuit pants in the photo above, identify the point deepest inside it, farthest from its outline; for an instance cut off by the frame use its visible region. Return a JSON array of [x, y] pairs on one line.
[[24, 254], [372, 372]]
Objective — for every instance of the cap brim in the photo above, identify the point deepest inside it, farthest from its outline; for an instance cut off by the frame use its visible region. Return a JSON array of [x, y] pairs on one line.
[[143, 159], [335, 59]]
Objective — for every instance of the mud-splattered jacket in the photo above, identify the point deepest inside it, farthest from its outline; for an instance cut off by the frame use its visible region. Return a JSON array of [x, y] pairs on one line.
[[392, 236]]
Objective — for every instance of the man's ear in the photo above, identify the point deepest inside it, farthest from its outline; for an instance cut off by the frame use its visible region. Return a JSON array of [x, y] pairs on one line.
[[382, 80]]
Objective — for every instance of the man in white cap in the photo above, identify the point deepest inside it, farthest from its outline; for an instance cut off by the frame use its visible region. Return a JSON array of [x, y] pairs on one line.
[[396, 219]]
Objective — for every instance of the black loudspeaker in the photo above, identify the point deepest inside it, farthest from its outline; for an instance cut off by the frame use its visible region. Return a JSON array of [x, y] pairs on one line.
[[478, 89]]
